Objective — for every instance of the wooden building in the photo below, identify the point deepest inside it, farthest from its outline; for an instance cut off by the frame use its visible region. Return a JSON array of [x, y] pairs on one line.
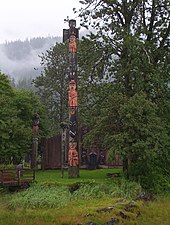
[[91, 158]]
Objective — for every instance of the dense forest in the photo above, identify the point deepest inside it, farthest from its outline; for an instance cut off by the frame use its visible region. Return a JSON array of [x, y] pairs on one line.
[[20, 59]]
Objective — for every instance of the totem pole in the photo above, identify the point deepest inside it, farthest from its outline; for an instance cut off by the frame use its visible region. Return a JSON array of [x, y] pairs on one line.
[[71, 35], [63, 145], [35, 129]]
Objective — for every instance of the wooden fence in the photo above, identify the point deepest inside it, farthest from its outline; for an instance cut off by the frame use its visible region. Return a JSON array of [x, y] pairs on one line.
[[13, 177]]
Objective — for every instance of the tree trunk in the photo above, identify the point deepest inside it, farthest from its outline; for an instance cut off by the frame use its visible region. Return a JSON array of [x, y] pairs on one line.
[[126, 167]]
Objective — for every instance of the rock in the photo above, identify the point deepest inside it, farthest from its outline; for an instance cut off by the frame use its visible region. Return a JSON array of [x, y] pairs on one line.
[[121, 200], [89, 214], [112, 221], [108, 209], [129, 208], [124, 216], [90, 223]]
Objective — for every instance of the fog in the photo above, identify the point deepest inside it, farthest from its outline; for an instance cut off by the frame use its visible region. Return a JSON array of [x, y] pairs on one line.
[[26, 67]]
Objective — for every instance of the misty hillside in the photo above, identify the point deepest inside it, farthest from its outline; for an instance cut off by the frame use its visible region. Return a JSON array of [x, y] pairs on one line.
[[20, 60]]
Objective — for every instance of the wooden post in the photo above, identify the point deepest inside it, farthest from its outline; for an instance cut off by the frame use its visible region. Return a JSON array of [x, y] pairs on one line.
[[63, 146], [35, 128], [73, 157]]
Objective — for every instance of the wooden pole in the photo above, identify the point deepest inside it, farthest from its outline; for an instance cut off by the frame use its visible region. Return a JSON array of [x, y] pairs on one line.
[[73, 159], [35, 129]]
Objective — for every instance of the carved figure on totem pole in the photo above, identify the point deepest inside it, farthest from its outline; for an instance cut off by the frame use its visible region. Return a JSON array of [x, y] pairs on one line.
[[72, 94], [84, 159], [72, 110], [72, 68], [72, 44], [73, 155], [73, 126], [72, 58], [35, 124], [72, 75]]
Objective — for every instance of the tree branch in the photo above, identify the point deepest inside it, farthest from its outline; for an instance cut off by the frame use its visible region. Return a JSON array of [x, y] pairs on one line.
[[164, 37], [151, 21]]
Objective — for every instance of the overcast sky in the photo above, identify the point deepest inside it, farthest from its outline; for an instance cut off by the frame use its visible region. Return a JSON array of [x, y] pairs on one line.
[[21, 19]]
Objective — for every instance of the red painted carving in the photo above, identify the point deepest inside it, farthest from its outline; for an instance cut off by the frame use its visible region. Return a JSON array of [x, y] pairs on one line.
[[72, 94], [73, 155], [72, 44]]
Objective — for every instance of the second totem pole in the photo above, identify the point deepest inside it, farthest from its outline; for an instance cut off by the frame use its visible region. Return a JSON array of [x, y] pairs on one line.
[[71, 35]]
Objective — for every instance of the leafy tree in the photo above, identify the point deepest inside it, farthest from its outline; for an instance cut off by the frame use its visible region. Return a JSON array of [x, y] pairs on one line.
[[144, 141], [52, 85], [17, 109], [134, 37], [28, 103], [6, 88], [8, 124]]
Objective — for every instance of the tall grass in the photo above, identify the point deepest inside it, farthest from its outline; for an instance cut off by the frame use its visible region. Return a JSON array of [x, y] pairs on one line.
[[123, 189], [41, 197], [156, 212], [57, 196]]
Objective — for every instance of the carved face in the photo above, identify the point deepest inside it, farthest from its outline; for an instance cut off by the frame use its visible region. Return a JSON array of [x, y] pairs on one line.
[[72, 39], [72, 85], [73, 146], [72, 110]]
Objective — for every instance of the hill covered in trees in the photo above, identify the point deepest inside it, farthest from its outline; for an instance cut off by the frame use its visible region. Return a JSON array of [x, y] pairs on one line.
[[20, 59]]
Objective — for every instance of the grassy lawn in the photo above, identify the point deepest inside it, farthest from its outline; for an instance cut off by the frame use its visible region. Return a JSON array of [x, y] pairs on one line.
[[90, 204], [54, 176]]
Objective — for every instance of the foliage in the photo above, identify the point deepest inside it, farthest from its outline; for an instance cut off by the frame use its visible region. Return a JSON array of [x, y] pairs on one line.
[[28, 104], [144, 139], [17, 109], [7, 166], [6, 89], [136, 132], [131, 113], [51, 85]]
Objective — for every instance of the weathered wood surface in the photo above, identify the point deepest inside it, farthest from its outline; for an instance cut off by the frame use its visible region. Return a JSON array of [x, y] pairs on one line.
[[13, 177]]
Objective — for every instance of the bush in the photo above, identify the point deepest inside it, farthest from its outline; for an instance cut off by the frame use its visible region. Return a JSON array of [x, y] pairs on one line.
[[7, 166]]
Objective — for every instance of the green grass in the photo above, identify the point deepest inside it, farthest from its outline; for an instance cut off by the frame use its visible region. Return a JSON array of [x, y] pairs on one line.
[[156, 212], [54, 176], [77, 212], [49, 202]]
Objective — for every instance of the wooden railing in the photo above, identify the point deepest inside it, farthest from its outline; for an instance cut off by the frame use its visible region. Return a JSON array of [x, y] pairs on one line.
[[13, 177]]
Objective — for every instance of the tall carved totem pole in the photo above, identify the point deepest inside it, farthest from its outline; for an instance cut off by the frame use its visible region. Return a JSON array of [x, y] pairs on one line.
[[71, 35], [35, 129]]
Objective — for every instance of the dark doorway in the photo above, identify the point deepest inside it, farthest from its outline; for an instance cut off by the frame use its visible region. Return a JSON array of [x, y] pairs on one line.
[[93, 161]]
